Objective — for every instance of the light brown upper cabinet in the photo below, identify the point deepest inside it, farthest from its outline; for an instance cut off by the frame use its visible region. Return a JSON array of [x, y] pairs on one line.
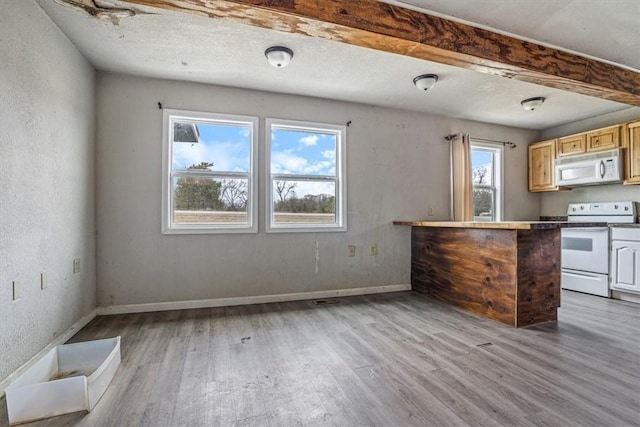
[[604, 139], [632, 149], [541, 168], [573, 144]]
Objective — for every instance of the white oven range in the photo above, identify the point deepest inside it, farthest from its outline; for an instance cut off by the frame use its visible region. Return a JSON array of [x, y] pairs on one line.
[[585, 250]]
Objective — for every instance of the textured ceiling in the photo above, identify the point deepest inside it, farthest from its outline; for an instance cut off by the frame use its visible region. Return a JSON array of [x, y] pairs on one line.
[[191, 48]]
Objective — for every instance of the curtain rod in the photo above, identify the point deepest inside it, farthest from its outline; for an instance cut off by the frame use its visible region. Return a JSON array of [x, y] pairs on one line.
[[490, 141]]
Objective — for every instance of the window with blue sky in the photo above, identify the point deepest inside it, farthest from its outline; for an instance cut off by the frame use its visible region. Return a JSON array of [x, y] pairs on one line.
[[306, 179], [209, 184]]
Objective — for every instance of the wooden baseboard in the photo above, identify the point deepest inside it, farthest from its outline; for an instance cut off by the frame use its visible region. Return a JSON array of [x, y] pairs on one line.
[[59, 340], [262, 299]]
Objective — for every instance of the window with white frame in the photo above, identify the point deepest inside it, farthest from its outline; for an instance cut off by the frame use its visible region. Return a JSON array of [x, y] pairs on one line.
[[209, 184], [487, 172], [306, 177]]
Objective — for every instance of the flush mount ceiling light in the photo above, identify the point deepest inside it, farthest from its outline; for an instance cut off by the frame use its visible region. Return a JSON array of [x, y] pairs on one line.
[[278, 56], [532, 103], [425, 81]]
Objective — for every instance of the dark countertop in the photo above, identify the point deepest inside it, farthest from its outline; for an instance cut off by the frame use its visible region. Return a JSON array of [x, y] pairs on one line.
[[553, 218], [502, 225], [625, 225]]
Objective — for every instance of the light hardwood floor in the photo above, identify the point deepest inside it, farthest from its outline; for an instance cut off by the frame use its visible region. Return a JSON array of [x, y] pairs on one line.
[[398, 359]]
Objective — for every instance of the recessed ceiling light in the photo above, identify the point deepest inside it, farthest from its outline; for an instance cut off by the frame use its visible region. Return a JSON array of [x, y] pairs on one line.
[[532, 103], [425, 81], [279, 56]]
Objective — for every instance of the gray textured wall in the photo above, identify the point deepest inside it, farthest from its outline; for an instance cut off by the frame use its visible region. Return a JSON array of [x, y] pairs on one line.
[[47, 180]]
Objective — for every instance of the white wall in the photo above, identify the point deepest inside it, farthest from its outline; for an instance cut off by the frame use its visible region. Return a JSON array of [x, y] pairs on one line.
[[556, 203], [397, 167], [47, 215]]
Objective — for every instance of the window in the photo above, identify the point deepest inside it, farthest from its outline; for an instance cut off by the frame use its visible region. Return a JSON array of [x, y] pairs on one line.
[[209, 185], [486, 164], [306, 188]]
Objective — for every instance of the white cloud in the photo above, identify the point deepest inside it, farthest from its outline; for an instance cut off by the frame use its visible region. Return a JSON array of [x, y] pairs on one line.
[[285, 162], [314, 188], [309, 140], [329, 154], [318, 167]]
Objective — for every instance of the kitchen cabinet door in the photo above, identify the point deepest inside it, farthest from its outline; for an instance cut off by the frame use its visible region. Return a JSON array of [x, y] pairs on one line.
[[574, 144], [604, 139], [625, 266], [632, 153], [541, 166]]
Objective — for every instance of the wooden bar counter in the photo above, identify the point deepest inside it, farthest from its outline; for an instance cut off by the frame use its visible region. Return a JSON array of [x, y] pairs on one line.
[[507, 271]]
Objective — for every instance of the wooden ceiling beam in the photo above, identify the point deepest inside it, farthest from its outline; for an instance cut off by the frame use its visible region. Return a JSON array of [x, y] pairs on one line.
[[381, 26]]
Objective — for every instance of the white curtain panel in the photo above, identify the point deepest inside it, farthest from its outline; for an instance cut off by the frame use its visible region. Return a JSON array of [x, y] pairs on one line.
[[462, 185]]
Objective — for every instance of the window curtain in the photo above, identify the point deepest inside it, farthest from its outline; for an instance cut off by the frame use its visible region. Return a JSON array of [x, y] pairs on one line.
[[461, 180]]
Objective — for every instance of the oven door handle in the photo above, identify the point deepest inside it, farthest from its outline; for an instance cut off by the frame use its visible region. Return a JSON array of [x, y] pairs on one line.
[[591, 276]]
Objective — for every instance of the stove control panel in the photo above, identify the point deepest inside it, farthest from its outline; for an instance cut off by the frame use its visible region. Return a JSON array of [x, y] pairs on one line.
[[608, 211]]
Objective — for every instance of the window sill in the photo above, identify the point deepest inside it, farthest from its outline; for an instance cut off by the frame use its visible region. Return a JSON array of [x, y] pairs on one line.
[[217, 230], [307, 229]]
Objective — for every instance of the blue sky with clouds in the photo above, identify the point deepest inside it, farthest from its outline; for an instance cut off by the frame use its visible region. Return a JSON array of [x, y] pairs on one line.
[[304, 153], [227, 147]]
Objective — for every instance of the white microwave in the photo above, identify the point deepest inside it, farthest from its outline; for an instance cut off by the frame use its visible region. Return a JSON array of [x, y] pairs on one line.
[[604, 167]]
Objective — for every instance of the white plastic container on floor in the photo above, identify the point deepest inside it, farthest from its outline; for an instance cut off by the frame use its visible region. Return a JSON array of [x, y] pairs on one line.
[[68, 378]]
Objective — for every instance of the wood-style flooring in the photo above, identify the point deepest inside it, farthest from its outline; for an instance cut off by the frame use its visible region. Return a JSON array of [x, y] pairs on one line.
[[399, 359]]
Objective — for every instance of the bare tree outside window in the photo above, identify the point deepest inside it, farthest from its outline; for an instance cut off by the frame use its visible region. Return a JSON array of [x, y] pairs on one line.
[[285, 189], [479, 174], [234, 194]]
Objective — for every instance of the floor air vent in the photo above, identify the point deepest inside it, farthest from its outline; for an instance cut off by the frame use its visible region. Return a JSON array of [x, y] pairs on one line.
[[326, 301]]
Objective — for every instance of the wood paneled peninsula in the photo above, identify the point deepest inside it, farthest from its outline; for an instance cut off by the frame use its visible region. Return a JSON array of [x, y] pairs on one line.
[[507, 271]]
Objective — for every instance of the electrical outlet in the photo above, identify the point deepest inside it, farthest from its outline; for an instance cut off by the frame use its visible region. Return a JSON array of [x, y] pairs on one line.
[[351, 250], [373, 249], [430, 213], [17, 290], [76, 265], [43, 280]]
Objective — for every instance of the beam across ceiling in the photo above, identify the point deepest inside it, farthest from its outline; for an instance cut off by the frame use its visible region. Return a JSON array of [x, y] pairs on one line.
[[390, 28]]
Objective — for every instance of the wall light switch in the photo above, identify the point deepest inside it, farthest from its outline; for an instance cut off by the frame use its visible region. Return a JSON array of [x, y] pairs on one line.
[[351, 250], [17, 291], [76, 265], [43, 280], [373, 249]]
